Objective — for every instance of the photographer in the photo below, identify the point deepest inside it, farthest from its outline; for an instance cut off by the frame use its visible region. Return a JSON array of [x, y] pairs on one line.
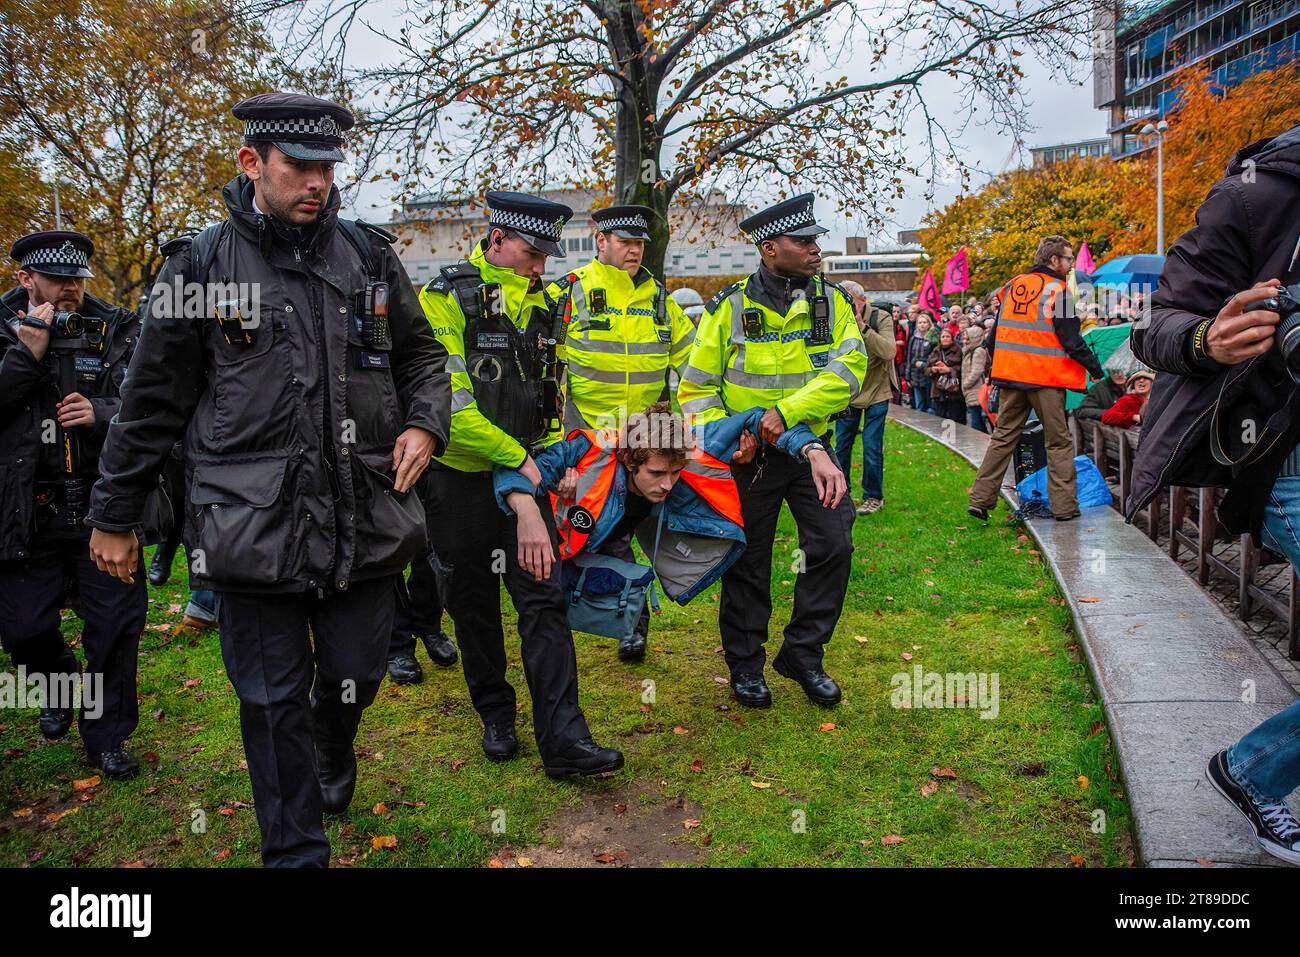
[[63, 355], [1225, 415]]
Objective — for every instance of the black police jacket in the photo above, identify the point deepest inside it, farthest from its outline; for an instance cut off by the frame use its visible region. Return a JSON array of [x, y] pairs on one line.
[[288, 439], [28, 394]]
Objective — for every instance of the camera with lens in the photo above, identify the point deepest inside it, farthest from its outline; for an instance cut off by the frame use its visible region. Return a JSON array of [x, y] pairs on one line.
[[72, 327], [1287, 306]]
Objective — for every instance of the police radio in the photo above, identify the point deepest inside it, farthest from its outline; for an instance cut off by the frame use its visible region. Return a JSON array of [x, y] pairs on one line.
[[371, 318], [820, 309], [753, 323]]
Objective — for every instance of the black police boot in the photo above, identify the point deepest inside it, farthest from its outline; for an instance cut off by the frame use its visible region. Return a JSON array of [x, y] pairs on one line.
[[116, 764], [160, 568], [499, 742], [442, 652], [751, 690], [632, 649], [405, 670], [55, 722], [336, 770], [976, 512], [817, 685], [585, 757]]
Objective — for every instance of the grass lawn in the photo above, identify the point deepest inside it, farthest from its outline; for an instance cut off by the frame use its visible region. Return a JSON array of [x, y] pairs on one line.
[[706, 781]]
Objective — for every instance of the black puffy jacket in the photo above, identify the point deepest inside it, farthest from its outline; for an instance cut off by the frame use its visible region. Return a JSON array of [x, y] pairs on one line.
[[28, 394], [1247, 231], [288, 440]]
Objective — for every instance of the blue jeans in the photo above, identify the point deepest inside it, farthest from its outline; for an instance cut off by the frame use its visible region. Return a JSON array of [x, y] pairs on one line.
[[1266, 762], [975, 418], [204, 605], [921, 396], [871, 420]]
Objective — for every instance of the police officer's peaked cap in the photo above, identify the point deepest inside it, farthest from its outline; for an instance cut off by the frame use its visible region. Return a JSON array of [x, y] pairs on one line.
[[538, 220], [303, 127], [55, 252], [630, 222], [793, 217]]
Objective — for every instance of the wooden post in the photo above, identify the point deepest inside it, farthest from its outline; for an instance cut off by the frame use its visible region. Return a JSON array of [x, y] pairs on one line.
[[1248, 565], [1204, 533], [1177, 508]]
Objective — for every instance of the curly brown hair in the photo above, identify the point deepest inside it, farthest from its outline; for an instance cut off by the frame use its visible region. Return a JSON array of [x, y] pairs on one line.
[[656, 431]]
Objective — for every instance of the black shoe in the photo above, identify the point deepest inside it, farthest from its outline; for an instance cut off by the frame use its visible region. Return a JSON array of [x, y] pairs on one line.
[[981, 513], [1276, 828], [116, 764], [337, 774], [440, 648], [55, 722], [632, 649], [1066, 518], [817, 685], [160, 568], [405, 670], [499, 742], [751, 690], [585, 757]]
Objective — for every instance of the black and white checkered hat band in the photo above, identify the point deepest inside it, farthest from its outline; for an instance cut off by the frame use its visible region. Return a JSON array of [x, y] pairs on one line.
[[623, 222], [509, 219], [783, 225], [64, 255], [300, 128]]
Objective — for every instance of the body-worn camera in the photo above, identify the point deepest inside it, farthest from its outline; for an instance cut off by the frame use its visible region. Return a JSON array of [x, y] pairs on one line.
[[1287, 305]]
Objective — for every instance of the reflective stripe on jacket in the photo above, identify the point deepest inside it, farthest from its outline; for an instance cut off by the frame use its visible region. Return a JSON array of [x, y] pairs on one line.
[[733, 368], [1028, 349]]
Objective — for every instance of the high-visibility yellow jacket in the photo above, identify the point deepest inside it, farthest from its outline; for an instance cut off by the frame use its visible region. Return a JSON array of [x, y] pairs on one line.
[[736, 365], [475, 444], [617, 359]]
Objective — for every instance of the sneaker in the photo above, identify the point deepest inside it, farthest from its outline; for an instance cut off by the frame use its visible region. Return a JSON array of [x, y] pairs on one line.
[[1276, 828], [870, 506], [976, 512]]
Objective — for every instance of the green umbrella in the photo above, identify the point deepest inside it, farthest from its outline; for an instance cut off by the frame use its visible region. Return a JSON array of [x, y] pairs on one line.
[[1102, 340]]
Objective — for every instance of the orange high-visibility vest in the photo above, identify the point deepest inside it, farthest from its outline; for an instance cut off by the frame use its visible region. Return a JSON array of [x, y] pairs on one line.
[[709, 477], [1027, 348]]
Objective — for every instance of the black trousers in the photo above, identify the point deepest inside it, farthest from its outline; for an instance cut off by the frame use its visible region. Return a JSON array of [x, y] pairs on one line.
[[826, 544], [477, 543], [419, 601], [296, 694], [31, 597]]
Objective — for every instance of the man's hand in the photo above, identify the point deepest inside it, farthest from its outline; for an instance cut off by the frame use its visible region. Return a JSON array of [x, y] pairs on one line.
[[745, 451], [535, 552], [771, 426], [567, 489], [115, 553], [827, 477], [1240, 332], [36, 340], [75, 410], [411, 454], [529, 470]]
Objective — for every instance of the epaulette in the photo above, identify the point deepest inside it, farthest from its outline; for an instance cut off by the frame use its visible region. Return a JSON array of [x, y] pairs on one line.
[[720, 297], [177, 243], [379, 231], [439, 285]]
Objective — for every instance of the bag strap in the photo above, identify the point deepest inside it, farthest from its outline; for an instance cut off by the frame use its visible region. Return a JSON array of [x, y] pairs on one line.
[[1277, 424]]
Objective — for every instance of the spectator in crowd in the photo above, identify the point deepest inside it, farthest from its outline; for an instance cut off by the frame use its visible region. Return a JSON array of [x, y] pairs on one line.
[[955, 315], [1103, 394], [974, 364], [944, 366], [1127, 410], [918, 352], [901, 334], [867, 409]]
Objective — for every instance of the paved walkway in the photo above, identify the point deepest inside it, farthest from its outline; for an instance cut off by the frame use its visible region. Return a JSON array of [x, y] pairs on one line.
[[1171, 667]]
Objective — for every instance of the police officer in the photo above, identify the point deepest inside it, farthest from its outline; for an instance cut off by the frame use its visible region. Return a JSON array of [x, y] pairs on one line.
[[491, 314], [311, 395], [787, 340], [63, 356], [624, 333]]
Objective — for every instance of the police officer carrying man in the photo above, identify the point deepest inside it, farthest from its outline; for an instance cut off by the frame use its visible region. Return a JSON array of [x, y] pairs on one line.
[[311, 395], [491, 314], [624, 334], [63, 356], [787, 340]]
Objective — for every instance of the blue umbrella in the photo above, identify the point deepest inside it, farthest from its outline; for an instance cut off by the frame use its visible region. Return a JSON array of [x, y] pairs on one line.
[[1130, 272]]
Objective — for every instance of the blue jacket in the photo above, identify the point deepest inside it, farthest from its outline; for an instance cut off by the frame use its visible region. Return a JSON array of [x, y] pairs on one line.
[[698, 542]]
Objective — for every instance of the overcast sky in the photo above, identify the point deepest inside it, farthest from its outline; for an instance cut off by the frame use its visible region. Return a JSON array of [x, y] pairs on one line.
[[1058, 112]]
